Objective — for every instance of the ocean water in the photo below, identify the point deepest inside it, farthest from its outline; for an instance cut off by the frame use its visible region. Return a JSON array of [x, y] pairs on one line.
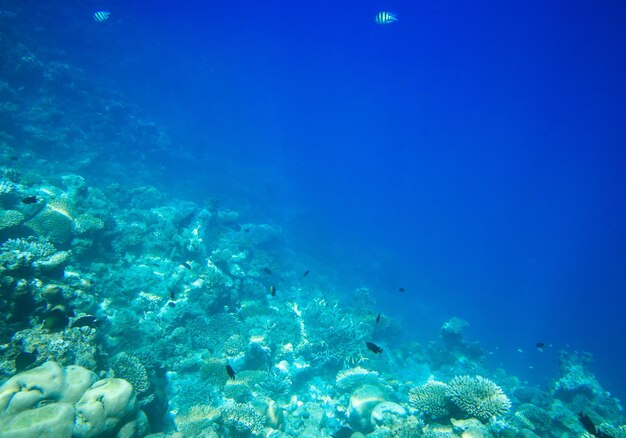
[[465, 161]]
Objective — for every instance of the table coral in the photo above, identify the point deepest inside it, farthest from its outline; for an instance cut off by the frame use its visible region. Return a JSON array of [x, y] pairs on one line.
[[54, 222]]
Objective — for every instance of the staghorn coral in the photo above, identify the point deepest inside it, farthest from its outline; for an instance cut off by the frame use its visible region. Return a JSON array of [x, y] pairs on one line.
[[478, 397], [430, 399]]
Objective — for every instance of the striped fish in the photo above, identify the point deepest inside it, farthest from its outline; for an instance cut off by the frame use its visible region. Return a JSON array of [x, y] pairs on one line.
[[385, 18], [101, 16]]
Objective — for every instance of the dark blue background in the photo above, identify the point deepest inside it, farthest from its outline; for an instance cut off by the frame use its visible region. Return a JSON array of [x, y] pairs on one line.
[[472, 152]]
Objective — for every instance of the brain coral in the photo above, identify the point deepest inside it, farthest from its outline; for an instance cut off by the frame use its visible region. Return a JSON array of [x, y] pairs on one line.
[[478, 397], [430, 399]]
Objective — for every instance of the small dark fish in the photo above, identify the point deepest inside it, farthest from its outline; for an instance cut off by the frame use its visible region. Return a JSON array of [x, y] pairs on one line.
[[268, 271], [186, 265], [273, 290], [378, 318], [246, 230], [86, 321], [373, 348], [24, 360], [30, 200], [344, 432], [402, 289], [172, 294], [540, 346], [171, 304], [230, 371], [14, 158], [306, 273], [56, 320]]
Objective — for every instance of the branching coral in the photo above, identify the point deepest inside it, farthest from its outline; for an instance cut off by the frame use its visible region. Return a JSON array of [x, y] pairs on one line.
[[86, 223], [130, 368], [28, 253], [350, 379], [478, 397], [242, 419], [430, 399]]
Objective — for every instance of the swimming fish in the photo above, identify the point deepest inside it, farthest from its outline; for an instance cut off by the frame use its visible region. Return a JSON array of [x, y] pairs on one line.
[[385, 18], [186, 265], [24, 360], [101, 16], [172, 294], [56, 320], [401, 289], [540, 346], [171, 303], [268, 271], [230, 371], [30, 200], [306, 273], [273, 290], [373, 348], [86, 321], [378, 318]]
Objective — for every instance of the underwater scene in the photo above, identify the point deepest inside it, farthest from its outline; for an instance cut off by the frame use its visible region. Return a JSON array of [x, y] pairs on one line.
[[312, 219]]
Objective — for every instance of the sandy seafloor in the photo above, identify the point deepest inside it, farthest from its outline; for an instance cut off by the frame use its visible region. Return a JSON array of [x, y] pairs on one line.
[[105, 274]]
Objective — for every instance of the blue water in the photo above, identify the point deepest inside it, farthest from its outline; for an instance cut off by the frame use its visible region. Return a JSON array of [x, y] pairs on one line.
[[472, 153]]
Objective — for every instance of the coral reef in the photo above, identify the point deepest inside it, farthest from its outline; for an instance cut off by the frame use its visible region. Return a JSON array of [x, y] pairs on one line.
[[125, 305]]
